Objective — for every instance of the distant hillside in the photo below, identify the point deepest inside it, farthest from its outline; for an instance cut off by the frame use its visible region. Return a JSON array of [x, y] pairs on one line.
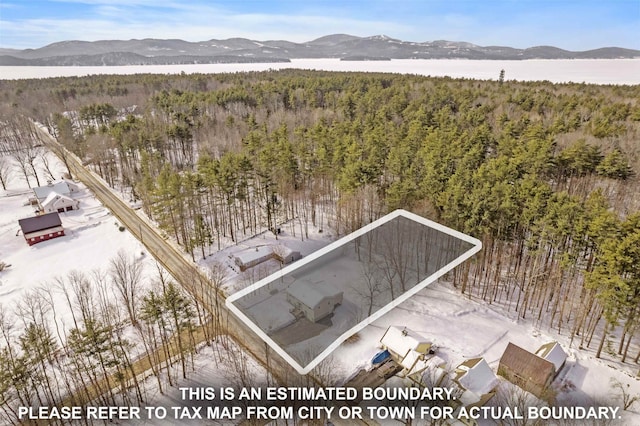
[[233, 50], [127, 58]]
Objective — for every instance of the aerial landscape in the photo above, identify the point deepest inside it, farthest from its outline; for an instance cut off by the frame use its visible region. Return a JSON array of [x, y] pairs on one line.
[[369, 213]]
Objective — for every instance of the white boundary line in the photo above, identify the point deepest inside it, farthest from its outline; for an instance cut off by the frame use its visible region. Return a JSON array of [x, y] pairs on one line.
[[477, 246]]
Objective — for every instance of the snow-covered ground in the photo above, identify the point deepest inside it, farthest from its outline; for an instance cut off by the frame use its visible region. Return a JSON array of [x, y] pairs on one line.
[[461, 328], [597, 71], [219, 365], [291, 237], [92, 238]]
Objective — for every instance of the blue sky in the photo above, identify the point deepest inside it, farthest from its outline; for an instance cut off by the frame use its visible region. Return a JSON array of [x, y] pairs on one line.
[[569, 24]]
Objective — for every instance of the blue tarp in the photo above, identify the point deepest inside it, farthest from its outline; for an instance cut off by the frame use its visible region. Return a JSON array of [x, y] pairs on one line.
[[380, 356]]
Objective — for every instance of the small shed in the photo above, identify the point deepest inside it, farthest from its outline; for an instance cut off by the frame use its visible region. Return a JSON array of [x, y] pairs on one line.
[[59, 203], [402, 342], [528, 371], [41, 228], [553, 353], [285, 255], [477, 382], [314, 300]]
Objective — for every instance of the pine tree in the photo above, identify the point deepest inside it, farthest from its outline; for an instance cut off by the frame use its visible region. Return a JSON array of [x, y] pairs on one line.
[[616, 277]]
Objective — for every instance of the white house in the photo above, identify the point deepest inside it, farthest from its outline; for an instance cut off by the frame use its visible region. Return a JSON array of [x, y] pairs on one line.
[[314, 300], [477, 382], [403, 343], [553, 353], [59, 203], [254, 256], [63, 187]]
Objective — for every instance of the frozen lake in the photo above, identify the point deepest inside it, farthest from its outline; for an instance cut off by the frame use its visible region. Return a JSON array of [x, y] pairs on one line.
[[597, 71]]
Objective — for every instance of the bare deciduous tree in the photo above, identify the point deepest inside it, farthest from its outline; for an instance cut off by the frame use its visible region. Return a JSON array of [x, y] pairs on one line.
[[126, 274], [21, 143], [5, 171], [217, 274], [623, 390], [517, 399], [44, 159], [370, 288]]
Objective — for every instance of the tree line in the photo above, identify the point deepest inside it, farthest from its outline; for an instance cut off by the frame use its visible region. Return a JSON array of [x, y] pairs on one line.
[[546, 175]]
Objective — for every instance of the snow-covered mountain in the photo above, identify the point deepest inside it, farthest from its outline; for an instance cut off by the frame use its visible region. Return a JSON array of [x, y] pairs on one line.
[[156, 51]]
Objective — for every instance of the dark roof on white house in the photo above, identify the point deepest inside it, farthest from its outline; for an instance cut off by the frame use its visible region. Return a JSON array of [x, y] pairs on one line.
[[39, 223]]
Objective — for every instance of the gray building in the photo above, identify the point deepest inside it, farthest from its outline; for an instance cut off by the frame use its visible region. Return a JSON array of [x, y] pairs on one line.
[[314, 300]]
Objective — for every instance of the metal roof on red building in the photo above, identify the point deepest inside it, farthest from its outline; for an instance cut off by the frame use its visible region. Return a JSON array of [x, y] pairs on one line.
[[40, 223]]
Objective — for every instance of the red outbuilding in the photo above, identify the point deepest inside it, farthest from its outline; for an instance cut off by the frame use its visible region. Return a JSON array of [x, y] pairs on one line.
[[41, 228]]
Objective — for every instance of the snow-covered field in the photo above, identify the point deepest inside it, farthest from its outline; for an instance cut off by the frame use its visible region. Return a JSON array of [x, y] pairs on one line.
[[91, 240], [597, 71], [460, 328]]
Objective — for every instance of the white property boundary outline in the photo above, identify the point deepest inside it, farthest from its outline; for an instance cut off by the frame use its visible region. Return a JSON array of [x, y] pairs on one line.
[[477, 246]]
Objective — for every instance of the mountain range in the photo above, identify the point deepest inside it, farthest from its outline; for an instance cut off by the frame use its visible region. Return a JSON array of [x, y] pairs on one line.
[[241, 50]]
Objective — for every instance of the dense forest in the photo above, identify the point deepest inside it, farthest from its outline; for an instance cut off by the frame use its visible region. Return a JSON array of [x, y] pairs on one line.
[[546, 175]]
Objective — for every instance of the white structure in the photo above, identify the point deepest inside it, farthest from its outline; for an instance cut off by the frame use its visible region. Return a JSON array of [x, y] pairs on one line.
[[405, 346], [59, 203], [63, 187], [477, 382], [315, 301], [252, 257], [553, 353], [428, 372], [285, 255]]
